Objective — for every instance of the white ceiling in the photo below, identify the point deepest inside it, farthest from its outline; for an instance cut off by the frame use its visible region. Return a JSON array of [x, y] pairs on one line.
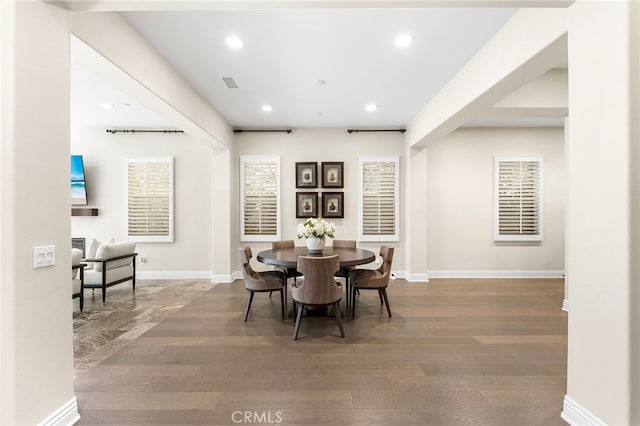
[[286, 51]]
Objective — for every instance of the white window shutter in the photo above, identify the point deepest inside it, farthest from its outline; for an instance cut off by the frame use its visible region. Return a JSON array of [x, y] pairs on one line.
[[150, 199], [259, 198], [379, 198], [518, 199]]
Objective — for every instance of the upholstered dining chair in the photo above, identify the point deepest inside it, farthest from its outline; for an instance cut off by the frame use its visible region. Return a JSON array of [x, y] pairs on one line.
[[291, 272], [344, 272], [318, 288], [258, 282], [369, 279]]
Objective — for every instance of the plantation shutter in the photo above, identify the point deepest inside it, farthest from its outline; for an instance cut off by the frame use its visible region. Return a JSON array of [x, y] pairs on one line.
[[518, 199], [379, 200], [150, 199], [260, 198]]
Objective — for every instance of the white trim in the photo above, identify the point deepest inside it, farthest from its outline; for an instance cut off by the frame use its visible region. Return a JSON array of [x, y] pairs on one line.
[[174, 275], [565, 305], [227, 278], [575, 414], [496, 274], [66, 415], [412, 278]]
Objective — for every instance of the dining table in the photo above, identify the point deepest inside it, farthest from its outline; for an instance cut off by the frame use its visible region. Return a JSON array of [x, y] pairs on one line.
[[349, 257]]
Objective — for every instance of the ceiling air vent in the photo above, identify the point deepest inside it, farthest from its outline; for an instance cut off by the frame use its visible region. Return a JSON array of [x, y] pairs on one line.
[[230, 82]]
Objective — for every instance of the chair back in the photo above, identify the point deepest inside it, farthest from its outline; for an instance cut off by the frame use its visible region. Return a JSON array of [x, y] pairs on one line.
[[344, 243], [251, 279], [282, 244], [319, 286], [386, 253]]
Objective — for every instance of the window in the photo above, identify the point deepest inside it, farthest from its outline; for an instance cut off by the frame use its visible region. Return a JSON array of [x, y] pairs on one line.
[[379, 198], [259, 198], [150, 199], [518, 199]]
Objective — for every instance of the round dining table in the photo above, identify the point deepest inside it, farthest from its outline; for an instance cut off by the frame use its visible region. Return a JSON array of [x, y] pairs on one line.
[[288, 257]]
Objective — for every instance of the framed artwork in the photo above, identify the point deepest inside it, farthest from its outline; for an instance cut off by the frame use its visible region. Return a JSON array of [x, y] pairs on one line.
[[333, 204], [332, 175], [79, 243], [306, 175], [306, 204]]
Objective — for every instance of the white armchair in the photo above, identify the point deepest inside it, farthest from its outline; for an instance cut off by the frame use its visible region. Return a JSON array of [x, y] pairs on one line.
[[113, 264]]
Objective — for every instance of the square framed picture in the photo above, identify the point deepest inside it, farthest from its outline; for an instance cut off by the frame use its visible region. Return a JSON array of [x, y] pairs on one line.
[[79, 243], [333, 204], [306, 204], [306, 175], [332, 174]]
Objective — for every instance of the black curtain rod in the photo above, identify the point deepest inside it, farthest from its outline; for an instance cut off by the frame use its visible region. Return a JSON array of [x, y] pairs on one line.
[[114, 131], [261, 130], [375, 130]]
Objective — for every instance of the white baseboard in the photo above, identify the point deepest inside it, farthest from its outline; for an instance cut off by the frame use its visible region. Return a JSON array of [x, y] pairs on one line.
[[226, 278], [174, 275], [412, 278], [576, 415], [565, 305], [66, 415], [495, 274]]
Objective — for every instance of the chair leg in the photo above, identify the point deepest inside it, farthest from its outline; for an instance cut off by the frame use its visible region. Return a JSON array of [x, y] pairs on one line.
[[249, 300], [380, 296], [298, 318], [353, 302], [336, 308], [104, 293], [282, 301], [383, 291]]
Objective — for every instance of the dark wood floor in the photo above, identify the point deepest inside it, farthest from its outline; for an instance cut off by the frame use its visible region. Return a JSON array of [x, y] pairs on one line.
[[456, 352]]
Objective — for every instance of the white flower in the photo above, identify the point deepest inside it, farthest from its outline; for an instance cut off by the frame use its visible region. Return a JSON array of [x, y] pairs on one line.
[[318, 228]]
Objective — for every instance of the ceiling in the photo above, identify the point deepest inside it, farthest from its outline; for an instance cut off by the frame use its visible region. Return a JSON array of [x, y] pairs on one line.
[[285, 55]]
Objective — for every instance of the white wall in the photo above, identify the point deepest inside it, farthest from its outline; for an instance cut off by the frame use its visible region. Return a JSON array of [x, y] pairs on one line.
[[105, 156], [324, 145], [36, 335], [460, 201], [603, 209]]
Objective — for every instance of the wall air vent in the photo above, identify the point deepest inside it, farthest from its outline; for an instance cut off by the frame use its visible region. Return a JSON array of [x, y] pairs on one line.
[[230, 82]]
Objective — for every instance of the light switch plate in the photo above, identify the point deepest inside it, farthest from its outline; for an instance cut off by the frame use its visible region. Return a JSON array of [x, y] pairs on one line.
[[44, 256]]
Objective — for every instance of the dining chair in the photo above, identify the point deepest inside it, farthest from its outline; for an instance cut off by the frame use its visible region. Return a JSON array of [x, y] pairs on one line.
[[283, 244], [318, 288], [370, 279], [344, 271], [258, 282]]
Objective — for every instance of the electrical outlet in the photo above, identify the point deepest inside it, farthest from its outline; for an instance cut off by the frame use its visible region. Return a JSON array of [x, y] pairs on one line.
[[143, 259]]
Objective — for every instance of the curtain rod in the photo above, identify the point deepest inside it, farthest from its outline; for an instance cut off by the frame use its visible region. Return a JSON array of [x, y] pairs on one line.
[[114, 131], [261, 130], [375, 130]]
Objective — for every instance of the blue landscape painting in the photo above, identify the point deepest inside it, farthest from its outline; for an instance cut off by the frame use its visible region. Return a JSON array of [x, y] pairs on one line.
[[78, 185]]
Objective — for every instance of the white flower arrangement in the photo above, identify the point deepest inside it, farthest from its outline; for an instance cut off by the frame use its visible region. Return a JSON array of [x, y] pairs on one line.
[[318, 228]]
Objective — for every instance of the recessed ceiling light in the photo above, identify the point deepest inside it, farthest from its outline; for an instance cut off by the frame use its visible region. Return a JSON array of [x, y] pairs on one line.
[[234, 42], [267, 108], [107, 106], [371, 107], [403, 40]]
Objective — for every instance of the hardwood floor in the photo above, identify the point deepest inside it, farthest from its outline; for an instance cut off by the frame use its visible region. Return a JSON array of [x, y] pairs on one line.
[[456, 352]]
